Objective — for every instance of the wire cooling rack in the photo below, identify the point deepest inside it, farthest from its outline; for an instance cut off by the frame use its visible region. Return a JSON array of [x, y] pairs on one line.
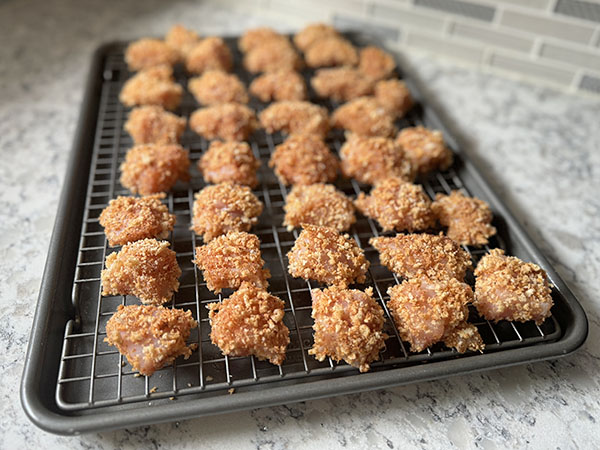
[[93, 375]]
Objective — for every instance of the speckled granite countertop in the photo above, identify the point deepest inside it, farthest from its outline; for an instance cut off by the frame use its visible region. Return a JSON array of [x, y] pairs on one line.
[[540, 148]]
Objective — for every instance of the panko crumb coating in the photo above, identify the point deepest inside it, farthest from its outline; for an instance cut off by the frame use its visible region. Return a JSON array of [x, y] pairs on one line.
[[228, 121], [425, 149], [150, 337], [153, 86], [214, 87], [129, 219], [413, 255], [318, 204], [257, 36], [229, 260], [295, 117], [465, 336], [372, 159], [152, 168], [154, 125], [375, 63], [394, 97], [224, 207], [364, 116], [146, 53], [147, 269], [428, 310], [283, 84], [273, 54], [341, 83], [312, 33], [348, 326], [325, 255], [250, 322], [229, 161], [304, 159], [210, 53], [182, 40], [468, 218], [397, 205], [331, 51], [507, 288]]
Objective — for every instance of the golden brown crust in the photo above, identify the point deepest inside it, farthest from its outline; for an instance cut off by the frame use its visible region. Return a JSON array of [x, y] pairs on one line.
[[413, 255], [364, 116], [228, 121], [154, 125], [153, 86], [318, 204], [425, 149], [271, 55], [146, 53], [465, 336], [210, 53], [331, 51], [150, 337], [257, 36], [283, 84], [128, 219], [375, 63], [295, 117], [468, 218], [229, 161], [147, 269], [224, 207], [341, 83], [325, 255], [250, 322], [394, 97], [348, 326], [397, 205], [507, 288], [214, 87], [373, 159], [304, 159], [181, 40], [312, 33], [229, 260]]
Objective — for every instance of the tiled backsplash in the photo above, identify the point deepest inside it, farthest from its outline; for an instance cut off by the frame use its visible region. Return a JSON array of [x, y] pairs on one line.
[[555, 42]]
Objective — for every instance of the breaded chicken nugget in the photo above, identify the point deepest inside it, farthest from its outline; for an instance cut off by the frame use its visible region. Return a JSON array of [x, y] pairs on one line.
[[215, 87], [250, 322], [413, 255], [507, 288], [224, 207], [427, 311], [182, 40], [348, 326], [146, 269], [210, 53], [152, 168], [153, 86], [128, 219], [375, 63], [293, 117], [341, 83], [271, 55], [318, 204], [325, 255], [312, 33], [150, 337], [373, 159], [397, 205], [228, 121], [364, 116], [394, 97], [154, 125], [229, 260], [468, 218], [465, 336], [425, 149], [304, 159], [146, 53], [257, 36], [229, 161], [331, 51], [283, 84]]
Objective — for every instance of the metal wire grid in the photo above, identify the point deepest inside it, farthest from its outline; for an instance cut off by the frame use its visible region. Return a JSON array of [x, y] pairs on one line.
[[93, 375]]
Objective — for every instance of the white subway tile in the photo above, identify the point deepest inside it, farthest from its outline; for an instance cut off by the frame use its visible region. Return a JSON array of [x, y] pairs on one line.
[[382, 31], [491, 36], [444, 46], [532, 68], [533, 4], [403, 15], [579, 57]]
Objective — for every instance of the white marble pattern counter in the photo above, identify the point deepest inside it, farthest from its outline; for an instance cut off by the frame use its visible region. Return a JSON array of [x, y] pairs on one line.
[[540, 148]]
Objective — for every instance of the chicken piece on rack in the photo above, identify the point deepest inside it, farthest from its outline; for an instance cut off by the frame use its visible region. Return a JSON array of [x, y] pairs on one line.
[[227, 121], [394, 97], [375, 63], [341, 83], [257, 36], [331, 51], [271, 55], [210, 53], [295, 117], [425, 149], [181, 40], [153, 86], [154, 125], [229, 161], [146, 53], [313, 33], [364, 116], [279, 85], [214, 87]]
